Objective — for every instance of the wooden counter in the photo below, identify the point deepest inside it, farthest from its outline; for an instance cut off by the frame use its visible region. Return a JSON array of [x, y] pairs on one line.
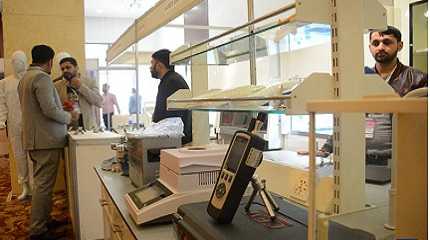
[[118, 224]]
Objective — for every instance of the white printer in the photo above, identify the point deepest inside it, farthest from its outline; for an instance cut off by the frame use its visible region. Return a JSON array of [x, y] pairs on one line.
[[186, 175]]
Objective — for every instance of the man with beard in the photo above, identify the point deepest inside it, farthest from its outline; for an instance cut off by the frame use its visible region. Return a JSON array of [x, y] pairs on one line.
[[78, 93], [384, 46], [170, 82]]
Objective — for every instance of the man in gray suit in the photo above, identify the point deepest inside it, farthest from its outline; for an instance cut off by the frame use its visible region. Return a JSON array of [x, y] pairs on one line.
[[44, 134]]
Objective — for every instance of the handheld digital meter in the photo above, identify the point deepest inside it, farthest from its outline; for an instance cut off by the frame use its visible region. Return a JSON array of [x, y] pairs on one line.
[[243, 157]]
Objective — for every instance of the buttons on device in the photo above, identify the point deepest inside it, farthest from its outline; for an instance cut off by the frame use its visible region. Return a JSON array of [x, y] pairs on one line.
[[220, 190]]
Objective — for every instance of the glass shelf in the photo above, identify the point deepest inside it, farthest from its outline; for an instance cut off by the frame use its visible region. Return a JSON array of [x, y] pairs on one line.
[[273, 104], [263, 109], [233, 46]]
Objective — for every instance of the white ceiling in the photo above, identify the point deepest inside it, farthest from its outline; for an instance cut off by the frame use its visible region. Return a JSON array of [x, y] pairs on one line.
[[117, 8], [235, 15]]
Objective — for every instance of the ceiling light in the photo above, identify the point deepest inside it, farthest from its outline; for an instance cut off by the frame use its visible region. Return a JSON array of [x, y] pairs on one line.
[[426, 14], [99, 11]]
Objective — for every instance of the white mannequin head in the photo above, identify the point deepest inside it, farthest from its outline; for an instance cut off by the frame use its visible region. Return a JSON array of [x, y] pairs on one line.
[[60, 57], [19, 63]]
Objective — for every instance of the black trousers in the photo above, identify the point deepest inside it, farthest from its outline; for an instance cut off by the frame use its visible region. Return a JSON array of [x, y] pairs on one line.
[[107, 119]]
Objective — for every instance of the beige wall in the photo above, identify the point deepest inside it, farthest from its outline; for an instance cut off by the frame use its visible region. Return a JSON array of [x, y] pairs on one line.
[[59, 24]]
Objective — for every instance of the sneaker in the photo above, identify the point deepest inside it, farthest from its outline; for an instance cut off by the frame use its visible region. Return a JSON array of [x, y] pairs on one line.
[[53, 224], [43, 236]]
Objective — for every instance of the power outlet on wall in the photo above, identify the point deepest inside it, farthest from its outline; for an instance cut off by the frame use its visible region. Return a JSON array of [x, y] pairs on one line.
[[301, 190]]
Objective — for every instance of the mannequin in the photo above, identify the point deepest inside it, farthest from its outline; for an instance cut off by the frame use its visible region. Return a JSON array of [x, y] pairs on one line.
[[10, 111]]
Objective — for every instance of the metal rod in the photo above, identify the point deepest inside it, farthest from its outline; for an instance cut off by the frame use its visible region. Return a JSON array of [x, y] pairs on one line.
[[259, 19], [259, 30], [267, 204], [198, 27], [116, 68], [312, 168], [229, 99], [269, 196], [108, 114], [252, 53], [136, 62]]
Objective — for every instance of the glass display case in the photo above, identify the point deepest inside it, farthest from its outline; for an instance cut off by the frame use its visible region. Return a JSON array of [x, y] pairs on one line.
[[271, 87], [277, 62]]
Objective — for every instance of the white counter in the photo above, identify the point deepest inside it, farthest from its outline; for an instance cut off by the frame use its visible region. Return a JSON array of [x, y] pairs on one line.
[[84, 152]]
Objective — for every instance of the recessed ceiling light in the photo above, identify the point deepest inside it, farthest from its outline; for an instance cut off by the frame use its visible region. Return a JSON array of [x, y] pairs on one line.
[[99, 11]]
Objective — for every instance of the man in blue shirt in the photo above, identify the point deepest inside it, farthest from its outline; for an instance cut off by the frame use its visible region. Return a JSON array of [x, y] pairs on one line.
[[134, 103]]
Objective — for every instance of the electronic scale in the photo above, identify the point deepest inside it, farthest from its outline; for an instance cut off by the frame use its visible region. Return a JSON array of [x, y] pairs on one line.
[[187, 175]]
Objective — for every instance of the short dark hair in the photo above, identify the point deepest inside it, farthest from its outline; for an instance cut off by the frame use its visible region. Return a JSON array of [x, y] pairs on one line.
[[69, 60], [42, 54], [390, 31], [163, 56]]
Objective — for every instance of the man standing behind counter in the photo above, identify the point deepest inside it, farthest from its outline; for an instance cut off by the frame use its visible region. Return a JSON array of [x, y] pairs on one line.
[[44, 135], [170, 82], [82, 93], [384, 46]]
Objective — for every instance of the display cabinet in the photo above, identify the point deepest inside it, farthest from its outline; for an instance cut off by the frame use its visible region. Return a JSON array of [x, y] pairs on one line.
[[251, 42], [410, 153], [239, 56]]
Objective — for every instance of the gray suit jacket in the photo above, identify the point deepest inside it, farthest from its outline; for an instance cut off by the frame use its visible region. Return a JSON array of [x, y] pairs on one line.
[[43, 118]]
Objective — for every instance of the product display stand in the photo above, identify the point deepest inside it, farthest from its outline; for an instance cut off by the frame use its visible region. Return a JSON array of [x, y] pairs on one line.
[[268, 201]]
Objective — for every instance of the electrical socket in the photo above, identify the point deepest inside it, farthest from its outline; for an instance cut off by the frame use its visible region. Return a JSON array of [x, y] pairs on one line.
[[301, 190]]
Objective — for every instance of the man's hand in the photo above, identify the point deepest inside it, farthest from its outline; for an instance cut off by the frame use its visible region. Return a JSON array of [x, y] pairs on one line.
[[68, 106], [75, 116], [319, 153], [75, 83], [302, 152]]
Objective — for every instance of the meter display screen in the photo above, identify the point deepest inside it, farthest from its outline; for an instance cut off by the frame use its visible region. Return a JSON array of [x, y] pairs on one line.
[[149, 194], [236, 153]]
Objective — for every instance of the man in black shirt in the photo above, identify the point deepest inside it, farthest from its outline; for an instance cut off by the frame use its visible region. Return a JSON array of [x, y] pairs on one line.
[[170, 82]]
